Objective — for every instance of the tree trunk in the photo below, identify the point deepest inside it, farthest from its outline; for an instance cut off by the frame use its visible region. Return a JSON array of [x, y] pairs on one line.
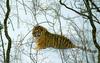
[[93, 27], [7, 59]]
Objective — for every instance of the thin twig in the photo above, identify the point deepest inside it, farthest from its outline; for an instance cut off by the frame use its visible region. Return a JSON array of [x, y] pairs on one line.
[[3, 47]]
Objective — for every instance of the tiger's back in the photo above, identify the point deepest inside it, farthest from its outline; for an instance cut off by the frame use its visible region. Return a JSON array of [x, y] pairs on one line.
[[59, 41]]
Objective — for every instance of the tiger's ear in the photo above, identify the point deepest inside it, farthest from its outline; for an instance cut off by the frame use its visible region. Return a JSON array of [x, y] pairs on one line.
[[40, 27]]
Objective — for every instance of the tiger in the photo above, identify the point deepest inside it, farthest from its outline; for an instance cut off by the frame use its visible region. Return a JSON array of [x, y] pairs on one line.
[[45, 39]]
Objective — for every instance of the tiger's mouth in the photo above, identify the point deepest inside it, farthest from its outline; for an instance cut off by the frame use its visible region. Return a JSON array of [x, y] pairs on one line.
[[37, 35]]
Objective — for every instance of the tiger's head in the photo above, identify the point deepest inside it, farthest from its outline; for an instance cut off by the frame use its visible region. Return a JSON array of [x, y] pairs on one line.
[[38, 31]]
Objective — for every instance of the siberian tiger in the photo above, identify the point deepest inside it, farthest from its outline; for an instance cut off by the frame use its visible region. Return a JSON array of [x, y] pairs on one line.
[[45, 39]]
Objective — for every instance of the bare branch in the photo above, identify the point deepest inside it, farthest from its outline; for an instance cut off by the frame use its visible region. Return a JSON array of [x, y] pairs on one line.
[[95, 6], [72, 9]]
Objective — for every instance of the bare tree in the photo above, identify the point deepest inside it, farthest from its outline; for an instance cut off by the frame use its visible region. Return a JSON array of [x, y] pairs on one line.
[[90, 16]]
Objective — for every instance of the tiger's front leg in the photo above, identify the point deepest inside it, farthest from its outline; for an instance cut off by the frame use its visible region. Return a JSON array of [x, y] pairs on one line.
[[40, 45]]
